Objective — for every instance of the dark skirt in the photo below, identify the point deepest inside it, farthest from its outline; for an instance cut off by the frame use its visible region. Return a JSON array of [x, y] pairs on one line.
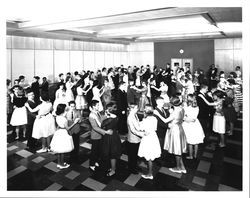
[[230, 114], [111, 144]]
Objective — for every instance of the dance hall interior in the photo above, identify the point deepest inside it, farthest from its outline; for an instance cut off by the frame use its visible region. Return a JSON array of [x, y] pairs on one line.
[[133, 99]]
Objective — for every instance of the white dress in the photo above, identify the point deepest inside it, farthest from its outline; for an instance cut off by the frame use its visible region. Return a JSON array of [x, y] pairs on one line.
[[96, 96], [44, 125], [193, 130], [61, 142], [164, 93], [150, 146], [81, 102], [69, 93], [60, 98]]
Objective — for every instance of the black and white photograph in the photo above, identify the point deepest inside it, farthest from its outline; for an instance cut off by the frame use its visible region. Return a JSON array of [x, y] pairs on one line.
[[144, 97]]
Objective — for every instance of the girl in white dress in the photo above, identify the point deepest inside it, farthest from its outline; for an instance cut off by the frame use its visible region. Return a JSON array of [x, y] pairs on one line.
[[69, 94], [192, 127], [97, 94], [149, 147], [44, 125], [62, 142], [219, 121], [60, 96]]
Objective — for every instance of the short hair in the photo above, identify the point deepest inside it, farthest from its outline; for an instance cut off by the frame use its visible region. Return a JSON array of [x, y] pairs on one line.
[[61, 74], [45, 96], [149, 109], [121, 83], [8, 82], [203, 86], [93, 103], [21, 77], [37, 77], [72, 102], [60, 109], [191, 100], [104, 68]]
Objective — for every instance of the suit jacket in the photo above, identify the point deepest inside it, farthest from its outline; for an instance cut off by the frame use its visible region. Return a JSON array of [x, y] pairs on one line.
[[31, 116], [76, 114], [161, 126], [122, 103], [96, 132]]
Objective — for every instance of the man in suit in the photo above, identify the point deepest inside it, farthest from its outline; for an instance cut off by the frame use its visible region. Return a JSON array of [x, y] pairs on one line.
[[96, 134], [122, 106], [71, 115], [205, 111], [35, 88], [161, 126]]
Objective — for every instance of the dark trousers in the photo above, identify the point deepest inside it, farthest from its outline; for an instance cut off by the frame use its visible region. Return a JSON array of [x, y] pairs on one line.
[[206, 126], [76, 141], [95, 152], [132, 155], [31, 142], [122, 126]]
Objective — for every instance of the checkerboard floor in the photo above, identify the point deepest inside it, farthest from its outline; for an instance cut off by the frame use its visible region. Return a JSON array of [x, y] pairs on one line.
[[215, 169]]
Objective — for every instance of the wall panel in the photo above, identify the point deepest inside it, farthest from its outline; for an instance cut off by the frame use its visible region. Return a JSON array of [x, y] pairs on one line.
[[43, 44], [223, 44], [8, 62], [237, 58], [76, 61], [22, 42], [88, 60], [23, 64], [117, 59], [99, 60], [224, 60], [61, 62], [109, 59], [44, 64]]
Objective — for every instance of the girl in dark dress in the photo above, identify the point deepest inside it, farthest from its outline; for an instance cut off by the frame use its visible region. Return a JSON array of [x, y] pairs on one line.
[[111, 144]]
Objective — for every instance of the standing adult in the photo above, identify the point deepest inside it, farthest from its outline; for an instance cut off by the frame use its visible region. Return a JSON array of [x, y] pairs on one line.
[[204, 115], [72, 115], [96, 134], [122, 106], [35, 89]]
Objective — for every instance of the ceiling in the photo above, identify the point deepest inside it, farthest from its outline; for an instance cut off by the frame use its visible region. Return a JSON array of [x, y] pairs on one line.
[[161, 24]]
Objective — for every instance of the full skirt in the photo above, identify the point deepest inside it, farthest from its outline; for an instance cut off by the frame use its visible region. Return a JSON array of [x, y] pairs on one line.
[[62, 142], [175, 140], [44, 126], [150, 147], [219, 124], [194, 132], [19, 116]]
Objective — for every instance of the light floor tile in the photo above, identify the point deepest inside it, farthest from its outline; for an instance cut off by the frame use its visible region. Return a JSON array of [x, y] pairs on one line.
[[93, 184], [124, 157], [86, 145], [226, 188], [166, 171], [200, 181], [208, 155], [38, 159], [11, 148], [72, 175], [54, 187], [16, 171], [132, 179], [24, 153], [52, 166], [232, 161], [85, 164], [204, 166], [234, 142]]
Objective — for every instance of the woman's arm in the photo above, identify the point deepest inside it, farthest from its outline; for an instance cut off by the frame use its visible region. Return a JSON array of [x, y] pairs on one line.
[[208, 103], [166, 120], [32, 110]]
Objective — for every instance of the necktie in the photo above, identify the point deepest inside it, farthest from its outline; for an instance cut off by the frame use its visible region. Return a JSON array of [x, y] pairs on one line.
[[72, 115]]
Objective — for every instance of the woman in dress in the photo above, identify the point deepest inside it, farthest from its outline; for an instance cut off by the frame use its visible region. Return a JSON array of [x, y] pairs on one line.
[[19, 115], [69, 84], [192, 127], [60, 96], [97, 94], [143, 101], [149, 147], [61, 135], [175, 139], [44, 124], [219, 121], [111, 144]]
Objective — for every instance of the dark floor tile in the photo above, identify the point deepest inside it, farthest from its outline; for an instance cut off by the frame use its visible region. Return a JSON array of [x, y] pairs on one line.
[[233, 151], [82, 188], [232, 176], [28, 180], [116, 185], [13, 161]]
